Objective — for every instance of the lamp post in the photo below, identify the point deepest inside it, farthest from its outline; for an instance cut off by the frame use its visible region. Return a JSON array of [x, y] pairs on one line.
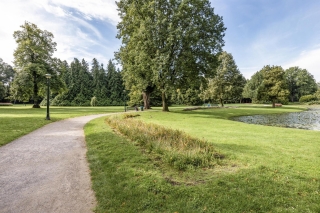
[[48, 76], [125, 108]]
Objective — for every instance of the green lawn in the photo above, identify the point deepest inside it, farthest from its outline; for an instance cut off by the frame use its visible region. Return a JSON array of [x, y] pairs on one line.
[[19, 120], [266, 169]]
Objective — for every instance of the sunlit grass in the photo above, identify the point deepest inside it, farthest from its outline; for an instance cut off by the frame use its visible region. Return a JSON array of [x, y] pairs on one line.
[[269, 169], [19, 120]]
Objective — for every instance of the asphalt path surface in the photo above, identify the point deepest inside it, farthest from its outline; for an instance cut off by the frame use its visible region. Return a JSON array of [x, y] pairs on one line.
[[47, 170]]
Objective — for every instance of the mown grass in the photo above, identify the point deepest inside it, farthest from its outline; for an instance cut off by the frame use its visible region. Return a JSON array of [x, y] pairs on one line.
[[19, 120], [268, 169]]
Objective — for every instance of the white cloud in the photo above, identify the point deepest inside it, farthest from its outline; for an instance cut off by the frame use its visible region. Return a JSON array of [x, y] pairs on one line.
[[99, 9], [309, 60], [70, 21]]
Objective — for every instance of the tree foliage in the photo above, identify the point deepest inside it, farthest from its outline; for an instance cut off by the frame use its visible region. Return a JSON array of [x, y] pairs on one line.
[[250, 89], [32, 60], [300, 83], [273, 87], [106, 86], [168, 45], [6, 77], [227, 84], [6, 72]]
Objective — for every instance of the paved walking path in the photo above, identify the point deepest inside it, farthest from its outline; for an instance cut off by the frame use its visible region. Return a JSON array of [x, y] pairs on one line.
[[47, 170]]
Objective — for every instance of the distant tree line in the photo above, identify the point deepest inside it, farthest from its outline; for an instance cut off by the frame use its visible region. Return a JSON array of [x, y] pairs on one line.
[[274, 84], [187, 72], [103, 85]]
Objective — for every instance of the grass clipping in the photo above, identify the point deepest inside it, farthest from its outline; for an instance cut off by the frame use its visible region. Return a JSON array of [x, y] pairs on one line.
[[174, 147]]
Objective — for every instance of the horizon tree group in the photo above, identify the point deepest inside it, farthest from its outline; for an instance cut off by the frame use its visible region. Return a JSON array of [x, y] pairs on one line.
[[170, 61]]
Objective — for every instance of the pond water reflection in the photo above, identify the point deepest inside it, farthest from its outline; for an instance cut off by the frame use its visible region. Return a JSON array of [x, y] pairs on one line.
[[302, 120]]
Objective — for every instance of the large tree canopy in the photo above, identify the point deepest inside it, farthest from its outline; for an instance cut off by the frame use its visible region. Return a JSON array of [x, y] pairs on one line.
[[228, 83], [273, 87], [168, 45], [32, 60], [300, 82]]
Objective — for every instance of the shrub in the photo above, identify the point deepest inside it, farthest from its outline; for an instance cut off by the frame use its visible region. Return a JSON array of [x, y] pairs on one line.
[[173, 147], [93, 101], [307, 98]]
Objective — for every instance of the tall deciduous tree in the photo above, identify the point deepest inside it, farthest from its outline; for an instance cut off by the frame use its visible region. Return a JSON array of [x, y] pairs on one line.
[[168, 45], [250, 89], [6, 77], [32, 60], [6, 72], [228, 83], [300, 82], [273, 87]]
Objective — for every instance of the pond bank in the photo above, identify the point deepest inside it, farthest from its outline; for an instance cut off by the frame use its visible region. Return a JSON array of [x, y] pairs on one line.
[[309, 119]]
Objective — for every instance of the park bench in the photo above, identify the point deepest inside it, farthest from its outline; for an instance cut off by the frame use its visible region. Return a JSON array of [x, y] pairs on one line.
[[130, 108], [134, 109]]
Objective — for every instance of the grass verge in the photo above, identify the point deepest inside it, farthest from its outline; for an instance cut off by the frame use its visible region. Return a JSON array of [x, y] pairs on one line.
[[18, 120], [268, 169]]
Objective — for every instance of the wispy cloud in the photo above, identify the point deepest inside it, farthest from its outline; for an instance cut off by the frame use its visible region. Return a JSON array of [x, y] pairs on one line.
[[98, 9], [308, 60], [78, 26]]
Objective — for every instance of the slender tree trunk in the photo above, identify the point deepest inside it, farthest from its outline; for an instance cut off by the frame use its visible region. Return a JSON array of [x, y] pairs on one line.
[[165, 107], [221, 102], [273, 104], [35, 92], [146, 99]]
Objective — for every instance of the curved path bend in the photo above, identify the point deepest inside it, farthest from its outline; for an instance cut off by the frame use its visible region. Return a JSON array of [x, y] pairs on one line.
[[47, 170]]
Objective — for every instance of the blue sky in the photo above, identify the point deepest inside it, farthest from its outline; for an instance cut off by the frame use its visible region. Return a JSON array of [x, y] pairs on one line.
[[259, 32]]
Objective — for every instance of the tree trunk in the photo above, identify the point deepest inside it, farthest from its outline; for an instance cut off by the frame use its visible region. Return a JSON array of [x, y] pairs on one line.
[[273, 104], [35, 92], [221, 102], [165, 107], [146, 99], [146, 96]]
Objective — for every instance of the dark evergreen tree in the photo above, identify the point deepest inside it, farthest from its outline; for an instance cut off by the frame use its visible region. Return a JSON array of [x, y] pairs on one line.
[[83, 85], [115, 87], [99, 83]]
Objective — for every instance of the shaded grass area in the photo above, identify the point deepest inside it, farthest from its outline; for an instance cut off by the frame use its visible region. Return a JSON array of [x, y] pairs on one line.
[[19, 120], [270, 169]]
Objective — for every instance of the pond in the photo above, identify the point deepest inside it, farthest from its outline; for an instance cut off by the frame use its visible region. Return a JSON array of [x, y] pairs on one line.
[[302, 120]]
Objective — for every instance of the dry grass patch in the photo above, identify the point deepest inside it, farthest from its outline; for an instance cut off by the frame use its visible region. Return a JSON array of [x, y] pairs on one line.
[[174, 147]]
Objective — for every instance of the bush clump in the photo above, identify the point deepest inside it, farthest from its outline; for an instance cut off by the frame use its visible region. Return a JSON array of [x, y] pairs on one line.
[[307, 98], [174, 147]]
